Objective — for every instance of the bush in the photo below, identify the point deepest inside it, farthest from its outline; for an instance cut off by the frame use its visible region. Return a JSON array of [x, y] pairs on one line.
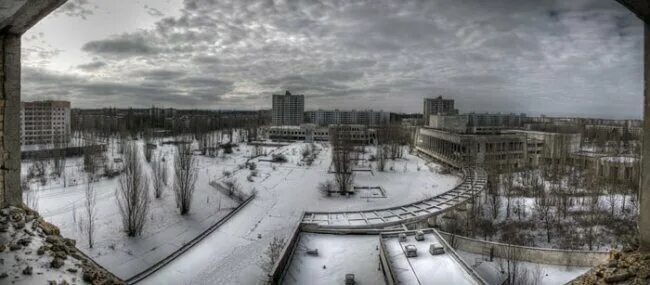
[[279, 158], [326, 188], [252, 166]]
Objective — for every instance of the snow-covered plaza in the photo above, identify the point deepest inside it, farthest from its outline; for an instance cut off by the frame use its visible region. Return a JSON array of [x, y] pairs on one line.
[[232, 253]]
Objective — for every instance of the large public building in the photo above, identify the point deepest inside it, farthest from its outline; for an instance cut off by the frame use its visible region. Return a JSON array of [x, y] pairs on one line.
[[504, 142]]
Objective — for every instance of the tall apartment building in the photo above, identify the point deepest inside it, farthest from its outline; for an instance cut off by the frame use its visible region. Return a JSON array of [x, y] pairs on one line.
[[288, 109], [44, 122], [364, 117], [435, 106]]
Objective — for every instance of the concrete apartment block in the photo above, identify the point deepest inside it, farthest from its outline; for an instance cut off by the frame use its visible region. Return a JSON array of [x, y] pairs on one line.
[[16, 17]]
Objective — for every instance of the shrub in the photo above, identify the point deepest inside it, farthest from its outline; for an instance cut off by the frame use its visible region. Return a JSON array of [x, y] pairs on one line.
[[279, 158]]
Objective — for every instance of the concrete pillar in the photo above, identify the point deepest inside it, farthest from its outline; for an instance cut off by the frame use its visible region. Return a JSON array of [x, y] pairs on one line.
[[10, 119], [23, 15], [644, 189]]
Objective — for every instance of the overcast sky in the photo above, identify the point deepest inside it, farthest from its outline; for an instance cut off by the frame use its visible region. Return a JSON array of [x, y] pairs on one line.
[[578, 57]]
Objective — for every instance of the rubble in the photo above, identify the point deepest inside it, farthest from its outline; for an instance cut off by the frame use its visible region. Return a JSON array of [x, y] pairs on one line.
[[57, 260], [631, 267]]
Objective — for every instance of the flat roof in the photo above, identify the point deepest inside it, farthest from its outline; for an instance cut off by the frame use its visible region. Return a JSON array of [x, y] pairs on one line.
[[340, 254], [425, 268]]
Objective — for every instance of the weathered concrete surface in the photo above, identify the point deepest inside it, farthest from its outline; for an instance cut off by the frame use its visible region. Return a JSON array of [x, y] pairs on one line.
[[641, 8], [644, 189], [10, 105], [16, 17], [8, 8]]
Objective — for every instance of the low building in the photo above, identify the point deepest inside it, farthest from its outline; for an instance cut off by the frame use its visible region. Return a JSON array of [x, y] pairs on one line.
[[359, 134], [608, 166]]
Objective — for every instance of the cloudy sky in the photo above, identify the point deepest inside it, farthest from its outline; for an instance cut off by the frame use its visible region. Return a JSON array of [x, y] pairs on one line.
[[578, 57]]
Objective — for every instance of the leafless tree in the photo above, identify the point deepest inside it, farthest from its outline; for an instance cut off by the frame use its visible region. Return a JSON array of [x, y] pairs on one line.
[[342, 149], [148, 144], [91, 209], [133, 193], [157, 177], [185, 178], [380, 154], [515, 273], [544, 211], [272, 253]]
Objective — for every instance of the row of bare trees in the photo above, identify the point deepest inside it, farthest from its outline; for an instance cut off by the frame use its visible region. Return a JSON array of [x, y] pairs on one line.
[[133, 195], [566, 206]]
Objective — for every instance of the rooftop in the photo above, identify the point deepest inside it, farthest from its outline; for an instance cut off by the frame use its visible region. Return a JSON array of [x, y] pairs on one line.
[[425, 268], [338, 255]]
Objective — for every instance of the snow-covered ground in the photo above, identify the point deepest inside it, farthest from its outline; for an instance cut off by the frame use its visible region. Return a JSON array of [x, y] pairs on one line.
[[337, 255], [165, 230], [232, 254], [533, 273]]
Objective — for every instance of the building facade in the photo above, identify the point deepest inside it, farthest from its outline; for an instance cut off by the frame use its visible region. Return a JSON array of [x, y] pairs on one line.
[[434, 106], [358, 134], [288, 109], [44, 122], [364, 117]]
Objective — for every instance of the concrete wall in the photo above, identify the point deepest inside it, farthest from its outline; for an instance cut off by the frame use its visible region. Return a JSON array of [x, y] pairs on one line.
[[529, 254], [10, 119], [13, 23]]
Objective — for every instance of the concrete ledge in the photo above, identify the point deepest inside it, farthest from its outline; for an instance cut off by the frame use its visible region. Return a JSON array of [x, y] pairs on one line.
[[280, 267], [552, 256]]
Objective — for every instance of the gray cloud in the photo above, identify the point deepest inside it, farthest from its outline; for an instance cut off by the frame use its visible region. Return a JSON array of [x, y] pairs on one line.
[[566, 57], [76, 8], [91, 66], [121, 46]]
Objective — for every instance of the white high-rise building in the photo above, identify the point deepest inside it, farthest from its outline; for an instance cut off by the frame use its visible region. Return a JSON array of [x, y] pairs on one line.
[[288, 109], [44, 122]]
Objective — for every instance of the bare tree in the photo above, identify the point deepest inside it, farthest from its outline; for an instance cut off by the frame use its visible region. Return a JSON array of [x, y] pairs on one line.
[[545, 213], [272, 253], [133, 193], [147, 136], [380, 154], [90, 202], [342, 149], [157, 177], [185, 178]]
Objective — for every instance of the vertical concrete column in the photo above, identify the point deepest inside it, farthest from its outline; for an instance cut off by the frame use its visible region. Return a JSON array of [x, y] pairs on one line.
[[644, 189], [10, 119]]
